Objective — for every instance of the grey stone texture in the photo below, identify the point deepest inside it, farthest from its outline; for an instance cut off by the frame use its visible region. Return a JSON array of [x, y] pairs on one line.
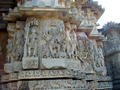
[[112, 52], [50, 49]]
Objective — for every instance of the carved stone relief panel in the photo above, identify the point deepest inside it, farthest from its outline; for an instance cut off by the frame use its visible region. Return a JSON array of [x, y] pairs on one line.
[[19, 40], [52, 38], [31, 39], [30, 63], [11, 42], [99, 64], [57, 84], [84, 52], [16, 40]]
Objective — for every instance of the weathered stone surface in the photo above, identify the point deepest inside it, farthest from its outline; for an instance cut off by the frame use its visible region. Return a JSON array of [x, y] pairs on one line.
[[50, 63], [8, 67], [106, 85], [57, 84], [41, 3], [60, 63], [5, 86], [5, 78], [30, 63], [20, 25], [55, 49], [13, 76], [103, 78], [10, 77], [17, 66], [112, 51], [92, 85], [39, 74], [13, 86], [73, 64]]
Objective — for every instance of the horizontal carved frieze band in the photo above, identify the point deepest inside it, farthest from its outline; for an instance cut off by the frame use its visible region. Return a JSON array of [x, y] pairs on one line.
[[45, 74]]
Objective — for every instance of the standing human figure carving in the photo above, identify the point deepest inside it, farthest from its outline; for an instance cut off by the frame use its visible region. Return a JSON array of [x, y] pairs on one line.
[[33, 42], [71, 39], [31, 38]]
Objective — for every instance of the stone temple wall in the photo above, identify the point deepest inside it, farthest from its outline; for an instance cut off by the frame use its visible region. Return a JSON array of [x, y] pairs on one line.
[[54, 45], [112, 52]]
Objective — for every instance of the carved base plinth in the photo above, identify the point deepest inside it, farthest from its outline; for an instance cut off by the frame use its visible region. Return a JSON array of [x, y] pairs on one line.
[[60, 63], [13, 67], [30, 63], [8, 67], [57, 84], [46, 74], [65, 84], [55, 80], [9, 77], [50, 63]]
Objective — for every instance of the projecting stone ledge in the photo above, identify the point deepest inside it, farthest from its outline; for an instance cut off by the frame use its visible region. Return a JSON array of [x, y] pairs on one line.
[[64, 84], [13, 67], [9, 78], [49, 63], [8, 68], [60, 63], [30, 63], [42, 74]]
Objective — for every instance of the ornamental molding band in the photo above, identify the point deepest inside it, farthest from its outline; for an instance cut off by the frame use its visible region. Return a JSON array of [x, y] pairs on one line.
[[54, 45]]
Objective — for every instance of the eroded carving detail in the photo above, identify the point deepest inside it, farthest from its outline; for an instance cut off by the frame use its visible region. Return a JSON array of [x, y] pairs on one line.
[[56, 40]]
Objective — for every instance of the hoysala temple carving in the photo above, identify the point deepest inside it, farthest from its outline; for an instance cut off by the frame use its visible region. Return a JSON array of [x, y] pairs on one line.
[[54, 45], [112, 51]]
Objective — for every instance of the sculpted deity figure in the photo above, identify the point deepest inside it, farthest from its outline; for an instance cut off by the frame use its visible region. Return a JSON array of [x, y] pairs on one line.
[[101, 61], [57, 38], [99, 64], [31, 39], [52, 38], [71, 39], [83, 52], [32, 49], [81, 45]]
